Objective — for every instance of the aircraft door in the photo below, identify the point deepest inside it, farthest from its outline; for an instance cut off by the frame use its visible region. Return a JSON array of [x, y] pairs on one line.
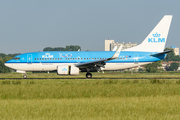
[[136, 58], [29, 58]]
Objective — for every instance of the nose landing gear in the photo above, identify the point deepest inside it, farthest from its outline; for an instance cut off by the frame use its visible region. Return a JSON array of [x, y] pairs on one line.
[[88, 75], [25, 76]]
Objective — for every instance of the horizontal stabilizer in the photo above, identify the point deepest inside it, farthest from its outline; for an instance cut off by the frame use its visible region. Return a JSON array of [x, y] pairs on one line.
[[165, 52]]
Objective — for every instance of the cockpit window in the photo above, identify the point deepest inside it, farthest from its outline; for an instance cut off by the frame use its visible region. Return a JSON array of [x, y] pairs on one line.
[[16, 58]]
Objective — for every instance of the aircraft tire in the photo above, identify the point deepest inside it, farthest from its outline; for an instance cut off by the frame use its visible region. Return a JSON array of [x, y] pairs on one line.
[[24, 76], [88, 75]]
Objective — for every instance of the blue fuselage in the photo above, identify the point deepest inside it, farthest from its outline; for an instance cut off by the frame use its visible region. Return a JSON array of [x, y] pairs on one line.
[[84, 56]]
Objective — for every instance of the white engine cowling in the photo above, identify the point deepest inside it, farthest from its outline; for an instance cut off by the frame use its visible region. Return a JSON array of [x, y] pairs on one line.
[[67, 70], [74, 70], [62, 70]]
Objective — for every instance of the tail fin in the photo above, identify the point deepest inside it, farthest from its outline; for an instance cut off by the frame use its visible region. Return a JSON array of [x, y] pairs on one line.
[[156, 40]]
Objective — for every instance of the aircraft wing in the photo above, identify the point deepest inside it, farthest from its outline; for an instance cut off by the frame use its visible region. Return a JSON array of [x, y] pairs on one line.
[[99, 63]]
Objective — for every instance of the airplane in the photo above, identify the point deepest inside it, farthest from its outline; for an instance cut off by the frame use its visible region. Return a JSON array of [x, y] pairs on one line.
[[72, 62]]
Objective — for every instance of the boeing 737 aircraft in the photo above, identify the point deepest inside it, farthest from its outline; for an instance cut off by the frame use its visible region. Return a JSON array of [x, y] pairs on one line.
[[71, 62]]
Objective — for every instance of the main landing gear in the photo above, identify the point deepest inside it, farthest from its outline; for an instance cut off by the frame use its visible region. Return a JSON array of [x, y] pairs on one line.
[[88, 75]]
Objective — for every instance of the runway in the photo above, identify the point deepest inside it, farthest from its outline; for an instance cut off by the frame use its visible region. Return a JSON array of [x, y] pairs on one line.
[[78, 78]]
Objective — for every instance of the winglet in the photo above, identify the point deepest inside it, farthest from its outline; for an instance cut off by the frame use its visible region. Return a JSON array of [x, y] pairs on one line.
[[117, 53], [115, 48]]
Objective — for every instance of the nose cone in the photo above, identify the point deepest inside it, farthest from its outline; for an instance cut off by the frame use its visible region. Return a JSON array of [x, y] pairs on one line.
[[8, 64]]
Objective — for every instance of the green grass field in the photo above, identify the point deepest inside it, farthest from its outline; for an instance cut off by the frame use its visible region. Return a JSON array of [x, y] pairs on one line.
[[96, 75], [99, 99]]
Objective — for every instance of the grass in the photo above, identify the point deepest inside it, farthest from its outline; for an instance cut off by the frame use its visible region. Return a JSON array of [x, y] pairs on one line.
[[130, 108], [96, 75], [62, 89], [99, 99]]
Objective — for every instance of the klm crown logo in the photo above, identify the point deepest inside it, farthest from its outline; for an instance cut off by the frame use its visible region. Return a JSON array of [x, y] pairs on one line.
[[156, 35], [64, 69], [47, 55], [156, 38]]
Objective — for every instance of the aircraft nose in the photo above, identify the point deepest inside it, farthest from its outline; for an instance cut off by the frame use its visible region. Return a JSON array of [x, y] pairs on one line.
[[6, 64]]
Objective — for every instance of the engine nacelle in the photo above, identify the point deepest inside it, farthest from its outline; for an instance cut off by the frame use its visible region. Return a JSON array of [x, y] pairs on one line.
[[74, 70], [67, 70], [62, 70]]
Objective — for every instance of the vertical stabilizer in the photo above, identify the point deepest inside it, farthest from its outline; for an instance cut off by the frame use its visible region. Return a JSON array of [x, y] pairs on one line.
[[156, 40]]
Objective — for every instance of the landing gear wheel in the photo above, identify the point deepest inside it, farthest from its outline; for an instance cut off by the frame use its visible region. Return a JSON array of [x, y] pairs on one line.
[[24, 76], [89, 75]]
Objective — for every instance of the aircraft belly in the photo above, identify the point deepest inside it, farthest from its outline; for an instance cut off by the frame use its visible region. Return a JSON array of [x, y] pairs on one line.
[[37, 66], [40, 67], [120, 66]]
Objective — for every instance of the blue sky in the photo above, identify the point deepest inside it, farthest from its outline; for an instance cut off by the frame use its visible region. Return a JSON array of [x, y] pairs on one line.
[[31, 25]]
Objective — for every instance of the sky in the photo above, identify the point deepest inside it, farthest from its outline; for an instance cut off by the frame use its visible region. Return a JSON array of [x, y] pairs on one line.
[[31, 25]]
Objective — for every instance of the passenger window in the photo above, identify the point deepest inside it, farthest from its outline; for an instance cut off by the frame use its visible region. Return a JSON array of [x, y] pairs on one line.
[[78, 58], [60, 58], [42, 58], [55, 58], [75, 58], [66, 58], [37, 58], [45, 58], [34, 58]]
